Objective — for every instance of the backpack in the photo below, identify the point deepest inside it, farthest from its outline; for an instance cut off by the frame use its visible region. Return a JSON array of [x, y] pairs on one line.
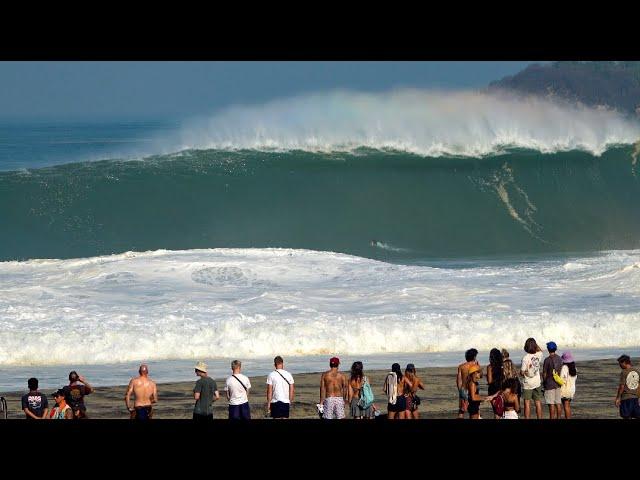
[[497, 403], [366, 395]]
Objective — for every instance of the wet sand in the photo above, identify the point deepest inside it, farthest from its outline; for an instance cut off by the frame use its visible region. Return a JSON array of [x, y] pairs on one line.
[[595, 393]]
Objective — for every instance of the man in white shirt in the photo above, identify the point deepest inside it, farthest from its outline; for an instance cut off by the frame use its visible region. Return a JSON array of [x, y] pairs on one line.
[[280, 390], [237, 388]]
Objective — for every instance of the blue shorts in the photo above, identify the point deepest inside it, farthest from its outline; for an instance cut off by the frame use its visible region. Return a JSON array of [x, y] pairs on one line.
[[141, 413], [630, 408], [239, 412], [279, 410]]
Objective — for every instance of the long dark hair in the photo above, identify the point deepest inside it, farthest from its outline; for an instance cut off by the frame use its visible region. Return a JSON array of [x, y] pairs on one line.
[[530, 346], [356, 371], [572, 368], [496, 362], [396, 368]]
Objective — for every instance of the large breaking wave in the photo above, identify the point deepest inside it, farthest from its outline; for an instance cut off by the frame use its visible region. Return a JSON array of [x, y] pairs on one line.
[[258, 302]]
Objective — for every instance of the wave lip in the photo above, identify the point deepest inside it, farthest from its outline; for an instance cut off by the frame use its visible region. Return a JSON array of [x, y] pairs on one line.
[[249, 303], [425, 122]]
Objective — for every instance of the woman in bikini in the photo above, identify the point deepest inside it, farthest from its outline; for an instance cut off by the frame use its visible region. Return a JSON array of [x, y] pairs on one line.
[[511, 400], [355, 389], [412, 391], [495, 374]]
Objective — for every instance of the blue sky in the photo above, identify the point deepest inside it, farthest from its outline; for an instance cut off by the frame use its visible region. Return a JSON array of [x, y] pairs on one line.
[[177, 90]]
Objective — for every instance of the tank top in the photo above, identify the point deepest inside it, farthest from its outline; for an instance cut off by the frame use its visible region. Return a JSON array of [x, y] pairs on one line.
[[57, 414]]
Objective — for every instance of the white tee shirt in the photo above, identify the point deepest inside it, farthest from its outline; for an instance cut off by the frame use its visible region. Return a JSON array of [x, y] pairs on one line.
[[237, 394], [531, 364], [280, 385]]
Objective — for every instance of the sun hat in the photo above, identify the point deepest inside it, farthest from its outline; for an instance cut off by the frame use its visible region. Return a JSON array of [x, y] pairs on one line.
[[567, 357], [551, 346], [201, 366]]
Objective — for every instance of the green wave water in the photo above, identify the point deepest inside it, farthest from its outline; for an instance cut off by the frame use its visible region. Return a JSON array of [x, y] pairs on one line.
[[379, 204]]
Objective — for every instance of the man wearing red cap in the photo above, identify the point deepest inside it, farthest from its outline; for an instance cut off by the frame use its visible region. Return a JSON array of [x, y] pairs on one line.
[[333, 391]]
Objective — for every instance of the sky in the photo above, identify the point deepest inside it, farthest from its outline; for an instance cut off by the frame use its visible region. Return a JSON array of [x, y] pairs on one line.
[[62, 91]]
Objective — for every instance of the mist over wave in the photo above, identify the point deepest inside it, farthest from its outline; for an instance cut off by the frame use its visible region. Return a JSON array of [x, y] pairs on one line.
[[425, 122], [248, 303]]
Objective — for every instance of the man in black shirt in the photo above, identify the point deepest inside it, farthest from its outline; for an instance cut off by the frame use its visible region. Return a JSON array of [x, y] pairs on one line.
[[34, 403]]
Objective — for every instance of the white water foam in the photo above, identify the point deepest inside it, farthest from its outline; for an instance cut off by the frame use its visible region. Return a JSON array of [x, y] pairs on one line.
[[425, 122], [251, 303]]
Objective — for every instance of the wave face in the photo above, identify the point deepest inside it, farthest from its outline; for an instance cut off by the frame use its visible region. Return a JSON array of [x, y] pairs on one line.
[[387, 205], [257, 302]]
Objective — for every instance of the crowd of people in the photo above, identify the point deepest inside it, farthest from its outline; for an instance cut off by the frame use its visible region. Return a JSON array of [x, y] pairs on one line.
[[552, 378]]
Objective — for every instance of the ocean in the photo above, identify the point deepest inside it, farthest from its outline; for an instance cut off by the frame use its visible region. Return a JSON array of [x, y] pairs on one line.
[[410, 225]]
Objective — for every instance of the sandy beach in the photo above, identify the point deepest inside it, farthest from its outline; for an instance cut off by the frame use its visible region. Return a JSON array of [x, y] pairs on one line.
[[595, 394]]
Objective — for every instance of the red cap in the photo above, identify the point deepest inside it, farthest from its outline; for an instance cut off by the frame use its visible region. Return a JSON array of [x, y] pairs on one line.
[[334, 361]]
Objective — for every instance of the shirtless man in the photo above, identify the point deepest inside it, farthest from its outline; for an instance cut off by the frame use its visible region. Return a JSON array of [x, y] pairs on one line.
[[146, 394], [461, 380], [333, 391]]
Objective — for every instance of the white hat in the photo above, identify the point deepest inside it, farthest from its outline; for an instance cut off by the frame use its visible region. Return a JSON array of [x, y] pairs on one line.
[[201, 366]]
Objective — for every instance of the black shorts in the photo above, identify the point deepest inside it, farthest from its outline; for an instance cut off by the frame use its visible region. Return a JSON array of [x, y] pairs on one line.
[[239, 412], [399, 406], [279, 410], [474, 408], [630, 408]]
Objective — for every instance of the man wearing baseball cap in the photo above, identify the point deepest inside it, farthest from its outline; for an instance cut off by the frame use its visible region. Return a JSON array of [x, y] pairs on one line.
[[205, 392], [333, 391], [552, 396]]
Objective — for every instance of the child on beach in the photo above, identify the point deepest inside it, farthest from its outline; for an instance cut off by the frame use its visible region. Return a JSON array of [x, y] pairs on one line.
[[511, 400], [569, 375], [475, 373], [510, 371]]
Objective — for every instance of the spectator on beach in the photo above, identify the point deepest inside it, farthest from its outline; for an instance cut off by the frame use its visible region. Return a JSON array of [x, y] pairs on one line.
[[61, 411], [396, 387], [75, 392], [333, 391], [510, 371], [146, 393], [237, 388], [34, 403], [475, 373], [356, 384], [495, 373], [413, 400], [205, 393], [280, 390], [461, 380], [569, 376], [552, 397], [627, 397], [511, 400], [531, 380]]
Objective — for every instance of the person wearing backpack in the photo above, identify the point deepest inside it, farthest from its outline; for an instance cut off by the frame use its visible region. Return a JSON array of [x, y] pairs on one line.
[[550, 371], [237, 388], [413, 400], [280, 390], [360, 395]]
